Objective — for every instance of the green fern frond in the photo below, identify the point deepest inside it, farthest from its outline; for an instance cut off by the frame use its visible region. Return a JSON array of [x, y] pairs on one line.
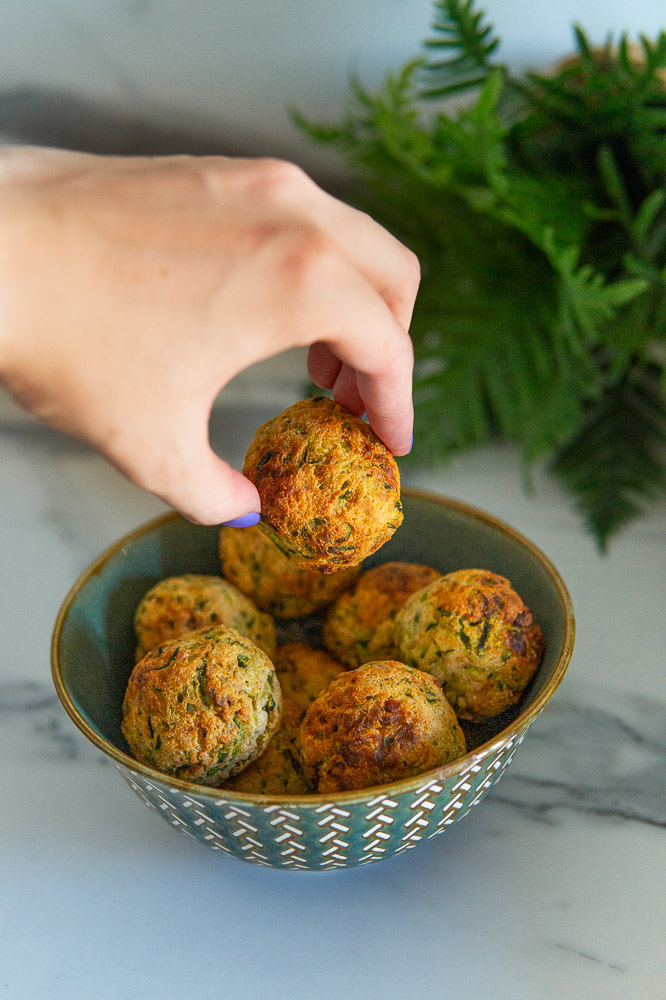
[[327, 135], [614, 97], [649, 226], [587, 302], [522, 386], [467, 43], [538, 212], [474, 142], [615, 462]]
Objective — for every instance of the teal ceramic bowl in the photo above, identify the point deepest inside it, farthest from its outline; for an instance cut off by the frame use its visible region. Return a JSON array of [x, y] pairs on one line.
[[92, 657]]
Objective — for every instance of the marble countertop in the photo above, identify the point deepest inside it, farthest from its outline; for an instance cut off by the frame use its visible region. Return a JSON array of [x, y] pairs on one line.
[[553, 888]]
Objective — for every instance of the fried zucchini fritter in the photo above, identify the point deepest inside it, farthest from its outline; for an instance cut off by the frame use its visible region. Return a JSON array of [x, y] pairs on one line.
[[376, 724], [329, 488], [359, 625], [202, 707], [181, 604], [304, 672], [472, 631], [277, 584], [279, 769]]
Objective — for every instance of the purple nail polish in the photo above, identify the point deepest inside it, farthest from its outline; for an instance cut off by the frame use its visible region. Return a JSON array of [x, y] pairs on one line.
[[246, 521]]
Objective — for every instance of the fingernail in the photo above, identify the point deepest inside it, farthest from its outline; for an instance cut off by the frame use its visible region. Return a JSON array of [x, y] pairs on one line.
[[246, 521], [411, 444]]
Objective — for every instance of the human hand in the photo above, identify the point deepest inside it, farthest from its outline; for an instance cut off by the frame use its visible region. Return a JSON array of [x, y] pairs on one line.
[[134, 289]]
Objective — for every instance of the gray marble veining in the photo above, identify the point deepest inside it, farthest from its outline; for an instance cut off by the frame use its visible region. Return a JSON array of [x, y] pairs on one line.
[[551, 889], [35, 726], [599, 753]]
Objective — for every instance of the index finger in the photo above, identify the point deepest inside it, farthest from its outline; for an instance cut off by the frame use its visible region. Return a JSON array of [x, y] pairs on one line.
[[387, 264], [383, 379], [385, 395], [381, 258]]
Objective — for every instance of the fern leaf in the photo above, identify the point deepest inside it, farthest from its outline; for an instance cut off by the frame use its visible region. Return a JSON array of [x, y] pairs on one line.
[[538, 212], [613, 181], [649, 226], [615, 462], [468, 43], [587, 301], [586, 54]]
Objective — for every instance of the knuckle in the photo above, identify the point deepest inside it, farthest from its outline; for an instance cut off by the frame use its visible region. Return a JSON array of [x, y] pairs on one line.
[[412, 267], [407, 348], [264, 181], [278, 181], [309, 257]]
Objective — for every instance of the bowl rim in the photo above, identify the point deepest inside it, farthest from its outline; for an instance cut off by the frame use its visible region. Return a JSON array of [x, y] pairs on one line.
[[314, 800]]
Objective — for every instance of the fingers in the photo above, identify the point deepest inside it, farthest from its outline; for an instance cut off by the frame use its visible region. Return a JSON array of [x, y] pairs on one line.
[[385, 262], [328, 372], [385, 396], [389, 266], [388, 404], [369, 362], [379, 395], [383, 382], [209, 492], [346, 392], [323, 366], [367, 357], [179, 466]]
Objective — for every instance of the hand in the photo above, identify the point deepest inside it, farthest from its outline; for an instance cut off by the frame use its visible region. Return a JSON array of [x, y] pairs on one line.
[[134, 289]]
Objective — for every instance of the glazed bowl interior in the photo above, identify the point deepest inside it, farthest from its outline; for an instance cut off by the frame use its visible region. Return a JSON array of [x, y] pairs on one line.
[[94, 642]]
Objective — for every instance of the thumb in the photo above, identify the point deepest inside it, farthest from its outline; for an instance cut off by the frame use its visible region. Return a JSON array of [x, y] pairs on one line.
[[191, 478], [213, 493]]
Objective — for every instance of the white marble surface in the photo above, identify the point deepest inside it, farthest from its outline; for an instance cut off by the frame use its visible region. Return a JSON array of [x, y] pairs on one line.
[[553, 888]]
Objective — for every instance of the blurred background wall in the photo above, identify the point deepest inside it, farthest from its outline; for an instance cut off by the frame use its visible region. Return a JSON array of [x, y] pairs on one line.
[[219, 75]]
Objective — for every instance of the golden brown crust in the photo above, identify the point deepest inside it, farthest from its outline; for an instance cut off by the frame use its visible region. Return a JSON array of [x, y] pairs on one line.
[[329, 488], [359, 625], [472, 631], [181, 604], [379, 723], [279, 770], [277, 584], [304, 672], [203, 706]]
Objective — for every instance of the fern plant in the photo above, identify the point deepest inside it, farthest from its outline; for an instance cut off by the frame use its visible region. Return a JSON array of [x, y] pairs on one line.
[[538, 211]]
